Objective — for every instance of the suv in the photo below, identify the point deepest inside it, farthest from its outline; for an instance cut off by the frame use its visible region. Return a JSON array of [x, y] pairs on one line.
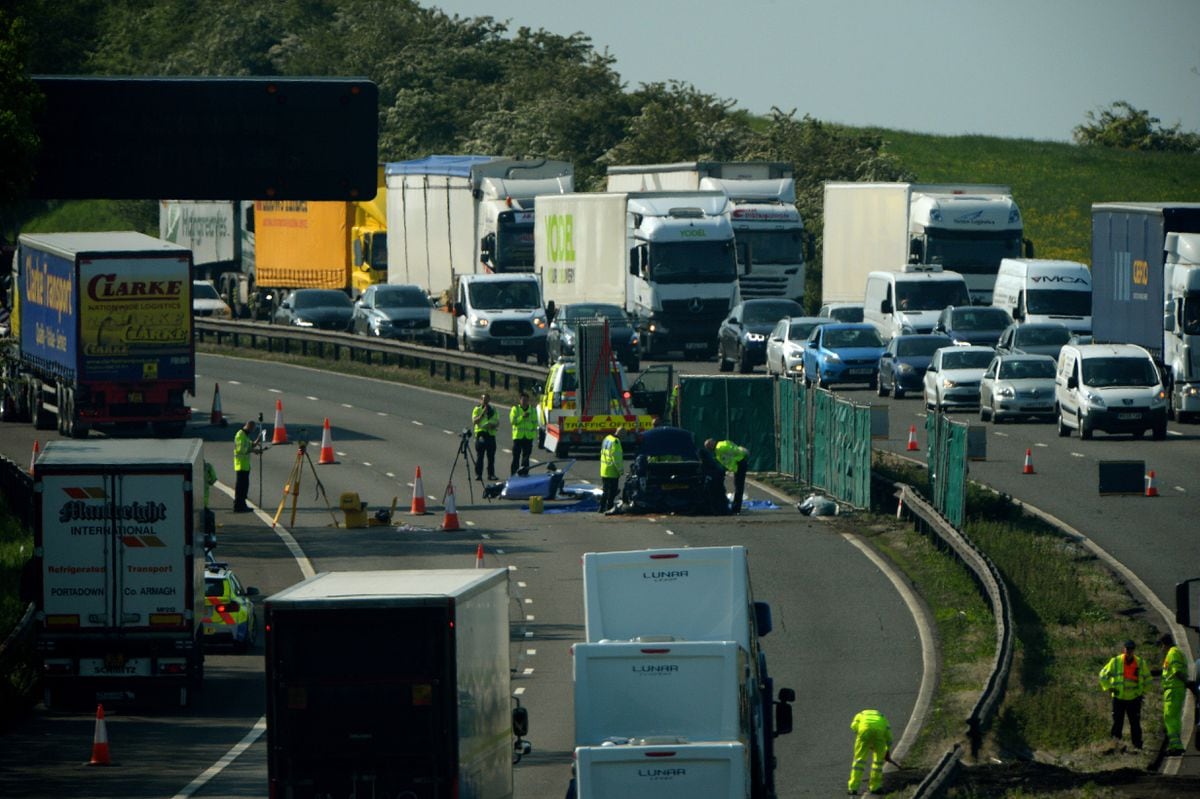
[[228, 608], [1111, 387]]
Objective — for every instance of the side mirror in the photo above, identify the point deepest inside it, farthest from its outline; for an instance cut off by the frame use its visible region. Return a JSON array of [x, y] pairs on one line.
[[1187, 603], [762, 618], [520, 721], [459, 310], [252, 591], [783, 711], [1072, 382], [885, 354], [885, 306], [1169, 322]]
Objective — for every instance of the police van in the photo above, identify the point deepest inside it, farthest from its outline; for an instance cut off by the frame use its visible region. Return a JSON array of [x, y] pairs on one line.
[[571, 415]]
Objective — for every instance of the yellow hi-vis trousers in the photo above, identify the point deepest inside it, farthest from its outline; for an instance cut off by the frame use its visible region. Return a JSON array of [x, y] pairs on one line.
[[873, 742]]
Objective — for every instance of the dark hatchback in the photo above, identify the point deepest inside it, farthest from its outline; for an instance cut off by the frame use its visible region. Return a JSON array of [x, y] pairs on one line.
[[903, 363], [326, 309], [742, 337]]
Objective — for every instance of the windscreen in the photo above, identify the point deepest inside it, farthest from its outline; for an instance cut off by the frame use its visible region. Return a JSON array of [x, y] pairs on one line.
[[1119, 371], [930, 295], [613, 313], [401, 297], [693, 262], [321, 299], [851, 314], [855, 337], [1057, 302], [799, 330], [981, 319], [514, 244], [498, 295], [773, 246], [768, 313], [204, 291], [972, 252], [379, 251], [1191, 315], [968, 359], [1038, 336], [920, 346], [1026, 370]]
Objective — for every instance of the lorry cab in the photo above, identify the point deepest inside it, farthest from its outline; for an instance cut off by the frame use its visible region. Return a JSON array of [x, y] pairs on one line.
[[1044, 290], [910, 301], [1181, 322]]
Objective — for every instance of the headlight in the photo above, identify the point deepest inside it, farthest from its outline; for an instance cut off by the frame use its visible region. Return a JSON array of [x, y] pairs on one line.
[[1159, 399], [634, 339], [832, 356], [298, 322], [1191, 391], [1006, 391], [1094, 400], [478, 321], [904, 368], [539, 322], [755, 337], [948, 383]]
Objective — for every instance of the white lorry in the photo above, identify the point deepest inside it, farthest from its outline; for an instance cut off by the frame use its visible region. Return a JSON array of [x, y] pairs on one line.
[[664, 597], [667, 258], [762, 195], [965, 228], [119, 565], [663, 769]]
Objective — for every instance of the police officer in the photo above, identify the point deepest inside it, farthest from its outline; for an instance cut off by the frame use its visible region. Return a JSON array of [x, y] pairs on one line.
[[487, 423], [524, 427], [1126, 676], [244, 446], [732, 458], [873, 735], [612, 462]]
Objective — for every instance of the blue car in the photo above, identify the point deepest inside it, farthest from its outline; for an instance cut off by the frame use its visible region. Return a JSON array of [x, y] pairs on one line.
[[843, 353], [902, 365]]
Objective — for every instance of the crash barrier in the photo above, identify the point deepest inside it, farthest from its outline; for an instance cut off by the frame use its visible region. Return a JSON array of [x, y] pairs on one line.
[[991, 585], [733, 408], [946, 450], [824, 441], [451, 365], [17, 647]]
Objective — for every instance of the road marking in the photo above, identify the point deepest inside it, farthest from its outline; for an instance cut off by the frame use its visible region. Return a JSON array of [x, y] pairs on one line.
[[1174, 433], [448, 432], [1002, 435], [381, 413], [418, 424], [499, 551], [1078, 455], [314, 399], [518, 691], [529, 633], [1040, 444], [347, 405], [274, 391], [529, 617], [531, 652], [1181, 489], [255, 733], [528, 601], [527, 672], [393, 476], [521, 584], [364, 463]]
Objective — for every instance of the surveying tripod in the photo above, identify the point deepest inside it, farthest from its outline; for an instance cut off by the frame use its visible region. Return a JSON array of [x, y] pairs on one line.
[[292, 486]]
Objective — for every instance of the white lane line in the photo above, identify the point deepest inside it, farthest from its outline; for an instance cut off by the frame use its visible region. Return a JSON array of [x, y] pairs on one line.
[[392, 475], [234, 382], [1002, 435], [527, 672], [314, 399], [347, 405], [530, 652], [449, 432], [521, 584], [518, 691], [1181, 489], [1174, 433], [274, 391], [528, 601], [1040, 444], [418, 424], [364, 463], [1078, 455], [255, 733], [529, 633], [529, 617], [381, 413]]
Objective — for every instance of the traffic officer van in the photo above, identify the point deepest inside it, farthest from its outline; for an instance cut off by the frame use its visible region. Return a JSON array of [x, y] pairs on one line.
[[1111, 387], [565, 424]]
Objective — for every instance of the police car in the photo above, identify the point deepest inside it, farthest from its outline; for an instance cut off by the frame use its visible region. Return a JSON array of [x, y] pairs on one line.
[[228, 609]]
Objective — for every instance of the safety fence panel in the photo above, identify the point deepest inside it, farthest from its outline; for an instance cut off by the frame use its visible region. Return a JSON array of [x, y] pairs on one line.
[[787, 406], [947, 459], [734, 408], [821, 438], [804, 420]]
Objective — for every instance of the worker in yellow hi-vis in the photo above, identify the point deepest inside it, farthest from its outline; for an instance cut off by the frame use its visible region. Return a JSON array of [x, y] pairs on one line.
[[874, 737]]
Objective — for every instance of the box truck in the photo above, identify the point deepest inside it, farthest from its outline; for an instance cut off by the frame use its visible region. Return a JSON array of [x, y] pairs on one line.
[[667, 258], [118, 562], [692, 594], [964, 228], [391, 683], [662, 769], [1146, 289], [102, 333], [762, 199]]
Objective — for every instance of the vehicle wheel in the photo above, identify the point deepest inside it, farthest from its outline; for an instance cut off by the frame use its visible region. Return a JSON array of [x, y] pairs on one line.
[[821, 380], [561, 450], [722, 364], [8, 407], [880, 389], [985, 412], [39, 414], [897, 392], [1063, 430], [1159, 431], [1085, 428], [744, 365]]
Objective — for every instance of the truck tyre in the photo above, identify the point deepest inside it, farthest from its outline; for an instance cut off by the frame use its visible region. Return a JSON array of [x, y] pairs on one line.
[[8, 406], [39, 414]]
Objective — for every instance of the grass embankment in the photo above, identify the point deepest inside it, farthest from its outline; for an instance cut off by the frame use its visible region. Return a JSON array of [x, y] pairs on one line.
[[17, 670]]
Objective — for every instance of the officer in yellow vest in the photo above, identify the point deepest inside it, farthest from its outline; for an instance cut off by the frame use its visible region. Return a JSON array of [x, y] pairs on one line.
[[244, 446], [1126, 676], [523, 419], [732, 458], [1175, 683], [612, 463], [487, 423], [873, 736]]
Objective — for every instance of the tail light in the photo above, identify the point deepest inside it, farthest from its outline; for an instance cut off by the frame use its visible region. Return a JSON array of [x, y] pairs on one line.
[[228, 607]]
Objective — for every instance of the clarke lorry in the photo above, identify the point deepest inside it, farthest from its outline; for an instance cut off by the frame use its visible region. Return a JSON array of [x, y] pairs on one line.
[[256, 253], [966, 229], [391, 683], [1146, 289], [667, 258], [762, 199], [118, 562], [659, 597], [102, 333]]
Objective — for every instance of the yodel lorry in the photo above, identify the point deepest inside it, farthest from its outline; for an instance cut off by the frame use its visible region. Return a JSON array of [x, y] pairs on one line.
[[102, 334], [118, 566], [963, 228], [667, 258], [669, 601], [766, 224], [1146, 289], [392, 683]]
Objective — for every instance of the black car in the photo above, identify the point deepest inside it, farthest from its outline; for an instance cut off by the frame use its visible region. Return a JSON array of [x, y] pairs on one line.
[[326, 309], [561, 335], [742, 338], [671, 475], [392, 311], [973, 324], [902, 365]]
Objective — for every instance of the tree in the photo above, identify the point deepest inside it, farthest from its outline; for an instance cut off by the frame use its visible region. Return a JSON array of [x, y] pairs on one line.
[[19, 101], [1123, 127]]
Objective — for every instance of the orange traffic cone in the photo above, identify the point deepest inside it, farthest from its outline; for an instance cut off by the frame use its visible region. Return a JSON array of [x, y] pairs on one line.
[[1151, 488], [418, 500], [33, 458], [217, 418], [280, 436], [912, 438], [450, 520], [326, 446], [100, 756], [479, 556], [1028, 469]]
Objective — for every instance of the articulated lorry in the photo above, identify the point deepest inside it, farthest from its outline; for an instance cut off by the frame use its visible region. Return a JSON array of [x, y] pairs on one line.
[[102, 334], [667, 258], [258, 252], [1146, 289], [762, 200], [964, 228], [392, 683], [664, 599], [118, 562]]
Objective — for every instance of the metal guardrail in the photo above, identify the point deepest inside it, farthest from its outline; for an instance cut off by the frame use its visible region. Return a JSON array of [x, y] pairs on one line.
[[450, 364]]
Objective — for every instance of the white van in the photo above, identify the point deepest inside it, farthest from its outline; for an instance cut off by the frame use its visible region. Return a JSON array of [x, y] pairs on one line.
[[1111, 387], [911, 301], [1042, 290]]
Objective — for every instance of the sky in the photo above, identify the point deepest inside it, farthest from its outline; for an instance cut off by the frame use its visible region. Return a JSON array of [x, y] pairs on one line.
[[1011, 68]]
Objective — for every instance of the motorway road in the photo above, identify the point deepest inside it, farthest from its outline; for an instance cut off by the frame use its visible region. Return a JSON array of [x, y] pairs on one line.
[[836, 615]]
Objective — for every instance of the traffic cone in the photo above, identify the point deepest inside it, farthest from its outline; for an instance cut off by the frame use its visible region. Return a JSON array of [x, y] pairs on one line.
[[100, 756], [900, 507], [33, 458], [280, 435], [450, 520], [1151, 488], [479, 556], [1028, 469], [418, 500], [217, 418], [326, 446], [912, 438]]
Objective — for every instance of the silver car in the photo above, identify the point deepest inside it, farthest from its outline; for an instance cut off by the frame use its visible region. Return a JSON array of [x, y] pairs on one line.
[[785, 344], [1017, 386], [1034, 338], [952, 379]]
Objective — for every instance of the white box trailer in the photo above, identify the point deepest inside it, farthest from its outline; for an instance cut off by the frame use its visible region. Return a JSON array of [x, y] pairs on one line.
[[653, 688], [666, 770]]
